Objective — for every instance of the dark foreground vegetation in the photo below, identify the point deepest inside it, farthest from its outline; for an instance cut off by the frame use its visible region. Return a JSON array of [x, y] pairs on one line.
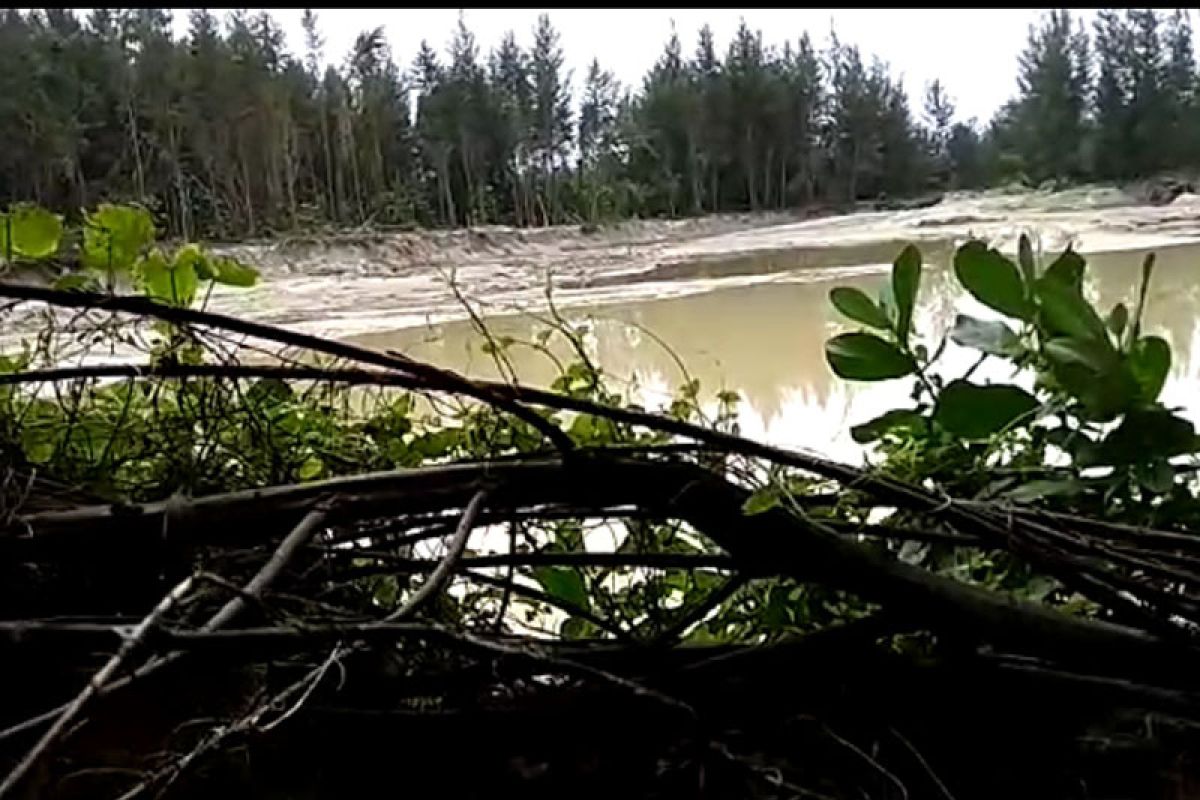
[[230, 132], [255, 563]]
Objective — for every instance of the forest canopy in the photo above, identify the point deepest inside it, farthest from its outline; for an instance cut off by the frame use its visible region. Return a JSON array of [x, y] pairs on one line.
[[229, 131]]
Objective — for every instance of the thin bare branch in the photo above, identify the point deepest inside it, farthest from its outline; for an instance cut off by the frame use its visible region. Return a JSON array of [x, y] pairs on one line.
[[73, 709]]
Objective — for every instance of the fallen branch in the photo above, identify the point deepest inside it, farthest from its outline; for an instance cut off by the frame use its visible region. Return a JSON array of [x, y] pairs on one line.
[[445, 569], [71, 712], [435, 377]]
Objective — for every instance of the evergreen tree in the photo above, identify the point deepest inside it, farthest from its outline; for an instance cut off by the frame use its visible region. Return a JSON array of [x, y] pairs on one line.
[[1112, 95], [551, 129], [225, 132], [1053, 83]]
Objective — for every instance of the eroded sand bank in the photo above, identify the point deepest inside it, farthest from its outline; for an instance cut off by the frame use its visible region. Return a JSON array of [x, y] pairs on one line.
[[351, 285]]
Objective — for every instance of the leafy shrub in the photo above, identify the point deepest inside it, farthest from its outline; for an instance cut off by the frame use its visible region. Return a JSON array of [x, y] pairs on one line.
[[1092, 430]]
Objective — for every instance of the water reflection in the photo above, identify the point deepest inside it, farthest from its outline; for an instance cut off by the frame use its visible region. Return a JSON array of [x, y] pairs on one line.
[[766, 341]]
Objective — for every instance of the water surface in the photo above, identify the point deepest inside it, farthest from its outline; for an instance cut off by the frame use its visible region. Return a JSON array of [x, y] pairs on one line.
[[759, 327]]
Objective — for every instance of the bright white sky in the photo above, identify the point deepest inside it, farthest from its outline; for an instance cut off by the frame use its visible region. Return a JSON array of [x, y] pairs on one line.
[[974, 52]]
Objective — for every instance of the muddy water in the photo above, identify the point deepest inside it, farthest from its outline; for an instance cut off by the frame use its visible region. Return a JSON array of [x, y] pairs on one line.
[[757, 325]]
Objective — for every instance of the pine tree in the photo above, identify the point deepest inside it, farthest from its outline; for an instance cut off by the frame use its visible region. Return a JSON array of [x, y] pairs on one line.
[[598, 139], [1180, 87], [1150, 106], [1053, 82], [551, 130], [1112, 96], [939, 117]]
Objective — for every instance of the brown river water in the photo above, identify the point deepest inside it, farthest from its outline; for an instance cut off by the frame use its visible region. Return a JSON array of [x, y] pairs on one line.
[[765, 340]]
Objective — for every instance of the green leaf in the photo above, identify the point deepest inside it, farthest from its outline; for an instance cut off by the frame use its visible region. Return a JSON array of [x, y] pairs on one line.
[[1067, 270], [1025, 259], [906, 280], [115, 236], [193, 256], [866, 357], [1037, 490], [1083, 352], [1150, 361], [1065, 312], [991, 279], [38, 449], [311, 468], [854, 304], [174, 283], [75, 282], [898, 419], [993, 338], [1156, 477], [761, 501], [1143, 288], [1093, 373], [35, 232], [574, 628], [1145, 435], [565, 584], [977, 412], [234, 273], [887, 302], [1118, 318]]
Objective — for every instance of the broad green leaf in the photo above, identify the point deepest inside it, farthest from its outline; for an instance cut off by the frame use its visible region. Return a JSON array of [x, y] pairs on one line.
[[35, 232], [1064, 311], [866, 357], [115, 236], [574, 628], [565, 584], [854, 304], [761, 501], [1150, 361], [1145, 435], [75, 282], [1118, 318], [1036, 490], [311, 468], [894, 420], [991, 279], [39, 448], [1025, 259], [977, 412], [1093, 373], [993, 338], [193, 256], [234, 273], [887, 302], [174, 283], [1084, 352], [1157, 476], [1067, 269], [906, 280]]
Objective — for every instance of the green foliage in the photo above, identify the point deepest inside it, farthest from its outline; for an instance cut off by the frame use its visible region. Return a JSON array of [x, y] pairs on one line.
[[991, 279], [145, 439], [117, 239], [29, 232], [978, 412], [866, 357], [854, 304], [906, 280], [1096, 382]]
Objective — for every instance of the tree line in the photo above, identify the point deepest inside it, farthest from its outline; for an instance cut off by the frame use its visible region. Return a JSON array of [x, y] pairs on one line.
[[225, 132]]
